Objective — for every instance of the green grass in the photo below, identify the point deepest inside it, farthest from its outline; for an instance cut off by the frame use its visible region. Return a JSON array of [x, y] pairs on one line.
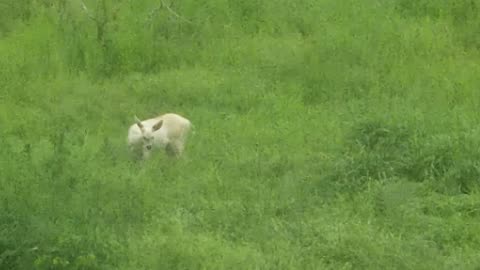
[[328, 135]]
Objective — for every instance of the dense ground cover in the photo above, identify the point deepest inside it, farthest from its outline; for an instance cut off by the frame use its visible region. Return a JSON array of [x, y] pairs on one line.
[[328, 134]]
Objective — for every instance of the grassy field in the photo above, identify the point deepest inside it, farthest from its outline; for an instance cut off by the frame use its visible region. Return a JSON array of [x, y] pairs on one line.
[[329, 134]]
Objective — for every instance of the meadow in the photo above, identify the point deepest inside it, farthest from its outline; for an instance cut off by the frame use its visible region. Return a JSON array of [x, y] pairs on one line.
[[329, 134]]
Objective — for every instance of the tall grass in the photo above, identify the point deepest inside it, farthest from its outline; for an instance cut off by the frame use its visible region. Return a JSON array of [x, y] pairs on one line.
[[328, 134]]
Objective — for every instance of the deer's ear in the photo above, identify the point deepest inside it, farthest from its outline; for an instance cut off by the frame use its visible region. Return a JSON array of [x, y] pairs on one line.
[[157, 126], [139, 123]]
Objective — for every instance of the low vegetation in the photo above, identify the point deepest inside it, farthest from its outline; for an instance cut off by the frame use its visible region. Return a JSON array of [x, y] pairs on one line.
[[328, 134]]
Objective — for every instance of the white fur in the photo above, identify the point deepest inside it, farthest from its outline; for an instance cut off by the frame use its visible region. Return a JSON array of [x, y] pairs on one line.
[[170, 137]]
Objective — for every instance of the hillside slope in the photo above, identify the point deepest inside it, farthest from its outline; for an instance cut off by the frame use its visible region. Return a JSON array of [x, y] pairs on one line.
[[328, 134]]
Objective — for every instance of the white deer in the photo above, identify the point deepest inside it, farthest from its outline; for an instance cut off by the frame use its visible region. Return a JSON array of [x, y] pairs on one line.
[[167, 132]]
